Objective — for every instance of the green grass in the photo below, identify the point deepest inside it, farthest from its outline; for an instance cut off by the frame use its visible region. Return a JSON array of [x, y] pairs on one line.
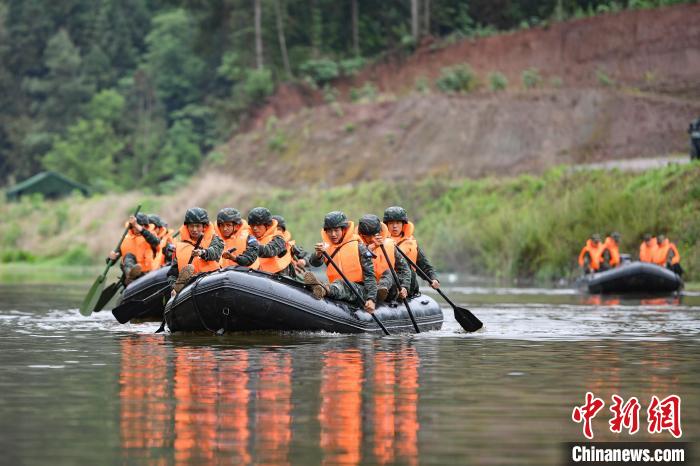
[[527, 226]]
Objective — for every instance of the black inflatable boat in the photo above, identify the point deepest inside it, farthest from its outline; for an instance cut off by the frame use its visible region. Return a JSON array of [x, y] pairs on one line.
[[241, 299], [144, 287], [635, 277]]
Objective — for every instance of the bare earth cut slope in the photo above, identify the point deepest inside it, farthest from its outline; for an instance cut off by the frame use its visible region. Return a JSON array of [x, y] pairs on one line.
[[650, 61]]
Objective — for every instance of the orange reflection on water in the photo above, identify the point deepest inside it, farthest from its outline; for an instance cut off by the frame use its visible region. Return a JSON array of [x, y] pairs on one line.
[[144, 388], [195, 410], [273, 429], [407, 407], [234, 433], [384, 406], [341, 407]]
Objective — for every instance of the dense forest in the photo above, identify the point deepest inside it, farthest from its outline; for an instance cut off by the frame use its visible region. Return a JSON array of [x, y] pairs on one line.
[[118, 94]]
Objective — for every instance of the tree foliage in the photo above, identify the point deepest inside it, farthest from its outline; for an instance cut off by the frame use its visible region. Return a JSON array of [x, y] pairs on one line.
[[140, 90]]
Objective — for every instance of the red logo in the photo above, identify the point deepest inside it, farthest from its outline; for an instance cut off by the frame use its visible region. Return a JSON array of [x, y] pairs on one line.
[[665, 415], [624, 415], [587, 412]]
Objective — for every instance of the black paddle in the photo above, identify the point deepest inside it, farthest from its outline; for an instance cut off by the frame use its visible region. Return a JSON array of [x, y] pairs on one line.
[[357, 294], [107, 295], [127, 311], [466, 319], [398, 286], [86, 308]]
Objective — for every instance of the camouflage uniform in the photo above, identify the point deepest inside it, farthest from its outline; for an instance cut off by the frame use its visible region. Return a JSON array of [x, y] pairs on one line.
[[250, 255], [130, 260], [402, 271], [339, 289]]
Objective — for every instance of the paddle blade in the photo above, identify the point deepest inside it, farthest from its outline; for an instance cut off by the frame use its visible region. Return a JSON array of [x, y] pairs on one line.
[[467, 320], [127, 311], [106, 296], [92, 296]]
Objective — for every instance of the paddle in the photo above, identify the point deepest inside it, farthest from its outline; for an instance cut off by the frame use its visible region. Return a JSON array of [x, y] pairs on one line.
[[192, 256], [127, 311], [357, 294], [107, 295], [398, 286], [466, 319], [89, 302]]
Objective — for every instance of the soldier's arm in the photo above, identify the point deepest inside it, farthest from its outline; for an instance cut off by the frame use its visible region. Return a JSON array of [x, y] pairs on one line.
[[299, 253], [402, 270], [425, 265], [247, 257], [314, 260], [215, 249], [272, 249], [369, 280], [173, 272], [151, 239]]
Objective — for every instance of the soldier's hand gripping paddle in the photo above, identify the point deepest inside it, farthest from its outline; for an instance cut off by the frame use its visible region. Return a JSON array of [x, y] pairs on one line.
[[466, 319], [398, 287], [92, 297], [357, 294]]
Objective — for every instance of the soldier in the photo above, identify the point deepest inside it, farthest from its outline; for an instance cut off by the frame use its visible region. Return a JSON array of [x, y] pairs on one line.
[[240, 247], [401, 231], [610, 258], [648, 248], [299, 256], [166, 247], [589, 258], [667, 255], [188, 260], [137, 249], [350, 255], [273, 253], [374, 233]]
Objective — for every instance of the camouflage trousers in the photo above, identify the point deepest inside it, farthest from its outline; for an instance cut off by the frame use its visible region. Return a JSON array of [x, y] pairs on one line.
[[339, 290]]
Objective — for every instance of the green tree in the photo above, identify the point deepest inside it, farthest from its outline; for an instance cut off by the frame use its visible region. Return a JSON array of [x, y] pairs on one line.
[[177, 72], [60, 94], [86, 154]]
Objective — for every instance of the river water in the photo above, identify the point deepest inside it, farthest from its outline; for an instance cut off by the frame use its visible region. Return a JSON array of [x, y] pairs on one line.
[[76, 390]]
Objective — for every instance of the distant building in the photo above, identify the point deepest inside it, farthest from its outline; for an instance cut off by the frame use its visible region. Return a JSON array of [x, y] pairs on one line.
[[51, 185]]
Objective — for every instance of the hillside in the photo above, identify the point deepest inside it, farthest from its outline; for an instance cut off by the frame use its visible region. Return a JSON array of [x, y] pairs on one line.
[[612, 87]]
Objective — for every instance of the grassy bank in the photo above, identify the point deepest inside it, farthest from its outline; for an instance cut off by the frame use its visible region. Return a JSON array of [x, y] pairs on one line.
[[527, 226]]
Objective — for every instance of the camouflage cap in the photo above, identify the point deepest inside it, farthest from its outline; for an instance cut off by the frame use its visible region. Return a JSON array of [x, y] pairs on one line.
[[395, 214], [369, 225], [280, 222], [228, 214], [156, 220], [335, 219], [259, 216], [196, 215]]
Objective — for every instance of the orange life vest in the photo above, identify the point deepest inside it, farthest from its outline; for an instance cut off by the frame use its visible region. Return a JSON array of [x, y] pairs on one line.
[[184, 247], [647, 251], [614, 250], [345, 255], [136, 244], [273, 264], [406, 242], [661, 253], [238, 240], [165, 237], [594, 252], [380, 264]]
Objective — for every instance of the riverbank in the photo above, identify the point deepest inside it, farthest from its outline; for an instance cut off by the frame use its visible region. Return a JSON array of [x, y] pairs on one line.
[[529, 227]]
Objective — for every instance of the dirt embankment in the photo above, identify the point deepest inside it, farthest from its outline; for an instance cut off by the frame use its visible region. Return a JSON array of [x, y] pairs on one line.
[[627, 86]]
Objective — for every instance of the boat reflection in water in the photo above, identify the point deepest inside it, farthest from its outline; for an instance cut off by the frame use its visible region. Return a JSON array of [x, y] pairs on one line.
[[616, 300], [201, 404]]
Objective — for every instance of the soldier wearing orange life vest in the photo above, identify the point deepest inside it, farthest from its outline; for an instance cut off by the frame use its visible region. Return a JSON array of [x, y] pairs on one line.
[[589, 258], [667, 255], [197, 250], [610, 258], [647, 249], [353, 258], [374, 233], [299, 256], [240, 246], [273, 252], [401, 231], [166, 248], [136, 250]]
